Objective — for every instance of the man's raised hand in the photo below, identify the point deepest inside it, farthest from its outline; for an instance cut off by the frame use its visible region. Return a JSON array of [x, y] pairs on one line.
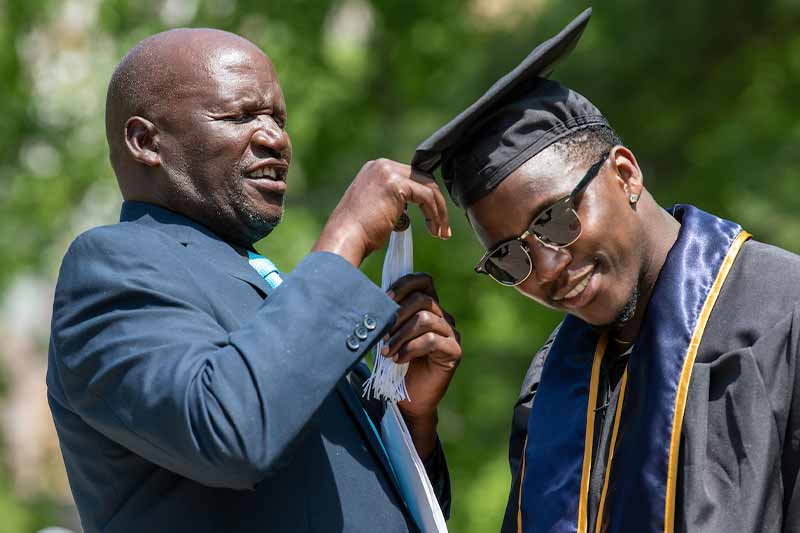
[[372, 205]]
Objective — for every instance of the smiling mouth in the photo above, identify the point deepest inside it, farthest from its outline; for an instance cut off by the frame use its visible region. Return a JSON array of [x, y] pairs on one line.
[[577, 289], [268, 180], [276, 172]]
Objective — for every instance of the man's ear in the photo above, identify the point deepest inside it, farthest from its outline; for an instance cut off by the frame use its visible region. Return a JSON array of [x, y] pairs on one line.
[[627, 171], [141, 140]]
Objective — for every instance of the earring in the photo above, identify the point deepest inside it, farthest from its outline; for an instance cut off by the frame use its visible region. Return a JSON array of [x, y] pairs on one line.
[[634, 198]]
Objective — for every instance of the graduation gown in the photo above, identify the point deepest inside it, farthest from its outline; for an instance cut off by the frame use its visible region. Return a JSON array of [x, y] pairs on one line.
[[739, 454]]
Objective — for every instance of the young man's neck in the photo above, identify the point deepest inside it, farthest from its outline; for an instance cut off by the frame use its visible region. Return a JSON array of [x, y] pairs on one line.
[[661, 233]]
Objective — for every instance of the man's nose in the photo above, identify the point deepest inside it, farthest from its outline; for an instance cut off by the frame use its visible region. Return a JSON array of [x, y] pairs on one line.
[[548, 261], [270, 136]]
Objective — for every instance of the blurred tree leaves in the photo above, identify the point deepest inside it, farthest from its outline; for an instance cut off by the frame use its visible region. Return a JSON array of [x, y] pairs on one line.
[[703, 92]]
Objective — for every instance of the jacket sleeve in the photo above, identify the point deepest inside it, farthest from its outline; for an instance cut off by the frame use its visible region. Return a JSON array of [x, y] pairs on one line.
[[143, 360], [439, 476]]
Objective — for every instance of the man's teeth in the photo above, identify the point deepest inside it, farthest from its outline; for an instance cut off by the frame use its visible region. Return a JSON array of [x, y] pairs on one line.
[[264, 173], [577, 289]]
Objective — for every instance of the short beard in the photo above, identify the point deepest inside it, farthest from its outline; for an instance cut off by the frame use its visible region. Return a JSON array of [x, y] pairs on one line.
[[625, 314], [235, 218], [258, 225], [628, 310]]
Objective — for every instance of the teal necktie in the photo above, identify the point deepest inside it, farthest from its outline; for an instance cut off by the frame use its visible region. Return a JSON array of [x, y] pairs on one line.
[[266, 269]]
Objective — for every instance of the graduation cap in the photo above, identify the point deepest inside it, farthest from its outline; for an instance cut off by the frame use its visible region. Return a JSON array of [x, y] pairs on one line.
[[519, 116]]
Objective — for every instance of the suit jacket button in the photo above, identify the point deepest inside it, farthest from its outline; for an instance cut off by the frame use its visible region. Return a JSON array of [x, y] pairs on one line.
[[353, 343], [369, 322], [361, 332]]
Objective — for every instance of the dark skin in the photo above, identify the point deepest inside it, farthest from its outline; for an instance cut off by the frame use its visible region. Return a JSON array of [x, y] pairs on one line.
[[196, 123], [424, 336], [622, 245], [197, 150]]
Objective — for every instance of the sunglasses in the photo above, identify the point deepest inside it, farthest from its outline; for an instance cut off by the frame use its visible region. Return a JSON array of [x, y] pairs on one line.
[[556, 226]]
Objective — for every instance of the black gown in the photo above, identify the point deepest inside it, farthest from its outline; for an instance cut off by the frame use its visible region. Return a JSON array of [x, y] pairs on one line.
[[739, 459]]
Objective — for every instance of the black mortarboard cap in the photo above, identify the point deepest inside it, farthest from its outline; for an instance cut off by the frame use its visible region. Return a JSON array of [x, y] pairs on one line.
[[519, 116]]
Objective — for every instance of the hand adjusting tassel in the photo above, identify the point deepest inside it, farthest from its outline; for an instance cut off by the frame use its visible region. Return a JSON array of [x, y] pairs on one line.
[[403, 222]]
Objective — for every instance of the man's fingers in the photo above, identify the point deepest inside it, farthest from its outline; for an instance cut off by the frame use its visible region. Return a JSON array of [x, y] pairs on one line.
[[441, 205], [420, 188], [422, 196], [410, 283], [369, 210], [431, 202], [450, 319]]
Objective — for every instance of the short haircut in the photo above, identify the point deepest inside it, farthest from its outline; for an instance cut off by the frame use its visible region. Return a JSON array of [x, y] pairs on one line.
[[587, 145]]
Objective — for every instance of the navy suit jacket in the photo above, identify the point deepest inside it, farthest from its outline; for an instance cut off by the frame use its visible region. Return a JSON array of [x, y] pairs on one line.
[[185, 399]]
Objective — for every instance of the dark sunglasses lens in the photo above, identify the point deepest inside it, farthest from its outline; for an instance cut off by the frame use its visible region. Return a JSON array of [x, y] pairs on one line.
[[558, 224], [509, 264]]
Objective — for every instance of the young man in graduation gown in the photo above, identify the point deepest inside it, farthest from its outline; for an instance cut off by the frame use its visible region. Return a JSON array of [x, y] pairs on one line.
[[669, 397]]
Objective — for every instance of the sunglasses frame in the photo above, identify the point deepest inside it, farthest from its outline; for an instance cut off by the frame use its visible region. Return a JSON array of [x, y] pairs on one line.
[[571, 200]]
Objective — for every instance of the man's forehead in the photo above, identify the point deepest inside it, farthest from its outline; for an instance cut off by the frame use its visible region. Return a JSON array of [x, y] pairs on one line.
[[246, 60], [200, 56], [240, 75], [548, 173], [194, 47], [231, 64], [506, 211]]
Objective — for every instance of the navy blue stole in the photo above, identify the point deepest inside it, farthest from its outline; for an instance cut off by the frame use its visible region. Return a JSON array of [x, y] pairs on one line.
[[639, 489]]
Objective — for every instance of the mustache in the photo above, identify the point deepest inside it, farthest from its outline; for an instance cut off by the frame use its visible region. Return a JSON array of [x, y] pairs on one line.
[[264, 152]]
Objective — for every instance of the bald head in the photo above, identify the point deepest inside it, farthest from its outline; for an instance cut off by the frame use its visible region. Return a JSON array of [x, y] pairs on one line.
[[193, 118], [157, 72]]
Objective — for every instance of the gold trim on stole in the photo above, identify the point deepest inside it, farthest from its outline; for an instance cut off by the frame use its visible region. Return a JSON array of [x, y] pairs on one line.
[[600, 350], [686, 374], [617, 416], [587, 443]]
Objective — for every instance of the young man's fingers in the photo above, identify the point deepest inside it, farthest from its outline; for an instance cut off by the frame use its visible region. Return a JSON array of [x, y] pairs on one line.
[[443, 350], [416, 282], [414, 304], [419, 325]]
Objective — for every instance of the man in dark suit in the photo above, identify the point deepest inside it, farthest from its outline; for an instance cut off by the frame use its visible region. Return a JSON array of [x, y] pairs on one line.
[[193, 386]]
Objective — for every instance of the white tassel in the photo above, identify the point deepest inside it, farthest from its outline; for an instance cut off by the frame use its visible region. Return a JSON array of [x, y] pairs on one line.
[[387, 381]]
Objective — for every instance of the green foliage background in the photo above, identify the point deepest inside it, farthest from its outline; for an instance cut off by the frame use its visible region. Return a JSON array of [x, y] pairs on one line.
[[705, 93]]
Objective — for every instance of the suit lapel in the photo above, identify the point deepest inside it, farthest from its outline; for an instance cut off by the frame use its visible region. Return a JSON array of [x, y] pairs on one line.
[[232, 263], [197, 238]]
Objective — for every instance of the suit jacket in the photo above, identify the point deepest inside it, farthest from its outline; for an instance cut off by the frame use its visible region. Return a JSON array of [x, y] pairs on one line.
[[185, 399]]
